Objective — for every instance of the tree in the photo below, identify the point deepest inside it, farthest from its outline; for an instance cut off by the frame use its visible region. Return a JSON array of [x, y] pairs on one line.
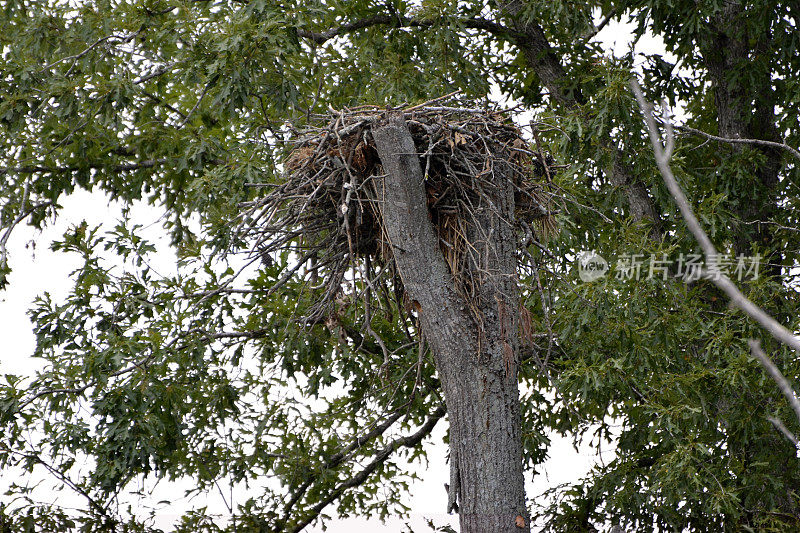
[[186, 104]]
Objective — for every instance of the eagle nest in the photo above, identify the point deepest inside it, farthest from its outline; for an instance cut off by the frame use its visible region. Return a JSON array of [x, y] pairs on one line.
[[325, 211]]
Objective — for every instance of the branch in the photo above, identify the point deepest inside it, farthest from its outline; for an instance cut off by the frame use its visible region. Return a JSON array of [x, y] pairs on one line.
[[757, 142], [540, 56], [191, 112], [244, 335], [786, 433], [597, 29], [22, 216], [407, 442], [122, 39], [405, 22], [157, 72], [125, 167], [47, 392], [323, 37], [159, 100], [338, 458], [776, 375], [663, 152], [61, 476], [529, 37]]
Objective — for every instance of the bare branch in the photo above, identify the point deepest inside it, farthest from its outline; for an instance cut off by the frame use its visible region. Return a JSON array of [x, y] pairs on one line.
[[786, 433], [408, 442], [780, 333], [723, 282], [776, 375], [757, 142]]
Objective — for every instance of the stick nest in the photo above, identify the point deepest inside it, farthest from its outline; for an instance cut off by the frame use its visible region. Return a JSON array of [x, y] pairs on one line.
[[326, 210]]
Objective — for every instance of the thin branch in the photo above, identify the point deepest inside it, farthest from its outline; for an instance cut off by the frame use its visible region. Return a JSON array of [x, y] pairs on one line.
[[48, 392], [663, 152], [191, 112], [786, 433], [159, 100], [597, 29], [121, 38], [125, 167], [156, 73], [323, 37], [203, 294], [776, 375], [237, 335], [405, 22], [339, 457], [61, 476], [408, 442], [757, 142], [22, 215]]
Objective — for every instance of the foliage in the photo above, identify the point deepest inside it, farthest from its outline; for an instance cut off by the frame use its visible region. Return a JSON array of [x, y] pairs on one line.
[[206, 374]]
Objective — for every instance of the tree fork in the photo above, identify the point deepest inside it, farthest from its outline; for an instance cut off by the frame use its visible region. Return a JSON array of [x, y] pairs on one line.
[[477, 362]]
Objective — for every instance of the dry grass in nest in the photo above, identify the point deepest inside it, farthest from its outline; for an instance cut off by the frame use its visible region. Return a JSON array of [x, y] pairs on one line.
[[327, 210]]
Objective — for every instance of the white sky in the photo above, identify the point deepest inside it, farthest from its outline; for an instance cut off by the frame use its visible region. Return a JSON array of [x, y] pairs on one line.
[[39, 270]]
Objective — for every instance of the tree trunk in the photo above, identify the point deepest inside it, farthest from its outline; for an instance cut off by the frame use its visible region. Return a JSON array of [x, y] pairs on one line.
[[746, 109], [543, 61], [474, 340]]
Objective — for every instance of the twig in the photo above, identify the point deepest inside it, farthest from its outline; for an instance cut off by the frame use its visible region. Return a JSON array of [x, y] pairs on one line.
[[61, 476], [7, 233], [191, 112], [757, 142], [429, 102], [76, 57], [776, 375], [124, 167], [786, 433]]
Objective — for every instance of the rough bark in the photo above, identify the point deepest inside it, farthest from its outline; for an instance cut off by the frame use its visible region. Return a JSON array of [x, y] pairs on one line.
[[746, 110], [476, 359]]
